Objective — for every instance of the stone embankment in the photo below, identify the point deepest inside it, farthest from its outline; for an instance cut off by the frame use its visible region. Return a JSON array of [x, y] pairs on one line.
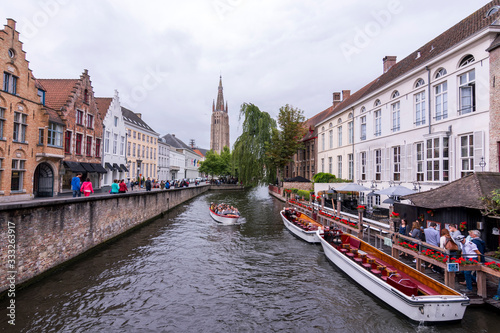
[[49, 233]]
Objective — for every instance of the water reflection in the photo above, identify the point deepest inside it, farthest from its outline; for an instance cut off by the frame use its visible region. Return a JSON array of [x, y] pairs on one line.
[[186, 273]]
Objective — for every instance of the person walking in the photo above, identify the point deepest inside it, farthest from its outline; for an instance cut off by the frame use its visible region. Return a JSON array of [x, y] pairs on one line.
[[87, 187], [454, 232], [76, 184], [470, 252], [148, 184], [481, 246], [115, 188], [122, 187], [402, 228], [432, 235]]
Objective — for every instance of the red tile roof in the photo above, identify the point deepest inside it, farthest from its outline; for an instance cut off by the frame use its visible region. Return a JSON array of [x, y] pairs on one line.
[[58, 91], [103, 104]]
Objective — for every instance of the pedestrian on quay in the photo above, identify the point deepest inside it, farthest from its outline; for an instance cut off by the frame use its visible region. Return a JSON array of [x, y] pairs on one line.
[[115, 188], [470, 252], [122, 187], [87, 187], [148, 184], [402, 228], [454, 232], [76, 184], [480, 244], [432, 235], [415, 232], [132, 184]]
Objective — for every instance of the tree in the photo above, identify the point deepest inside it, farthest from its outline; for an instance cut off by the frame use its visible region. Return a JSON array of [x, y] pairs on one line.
[[288, 140], [249, 153], [217, 165]]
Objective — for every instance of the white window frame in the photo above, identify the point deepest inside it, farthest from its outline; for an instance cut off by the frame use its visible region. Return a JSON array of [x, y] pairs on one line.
[[466, 154], [378, 122], [441, 100], [467, 92], [396, 116], [419, 99]]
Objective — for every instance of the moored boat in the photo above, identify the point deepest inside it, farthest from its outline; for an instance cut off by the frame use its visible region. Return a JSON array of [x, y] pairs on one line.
[[225, 216], [400, 286], [300, 225]]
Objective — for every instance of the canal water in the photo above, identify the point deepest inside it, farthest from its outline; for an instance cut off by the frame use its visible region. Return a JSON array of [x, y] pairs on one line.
[[186, 273]]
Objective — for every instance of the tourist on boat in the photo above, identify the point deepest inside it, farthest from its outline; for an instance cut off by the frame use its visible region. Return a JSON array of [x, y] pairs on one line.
[[470, 252]]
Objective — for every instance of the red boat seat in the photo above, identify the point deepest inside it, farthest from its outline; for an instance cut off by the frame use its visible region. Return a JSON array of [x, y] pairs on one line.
[[406, 286]]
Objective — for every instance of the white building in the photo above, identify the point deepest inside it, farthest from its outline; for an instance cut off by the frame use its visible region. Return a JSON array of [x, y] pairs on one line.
[[191, 158], [163, 160], [426, 121], [114, 158]]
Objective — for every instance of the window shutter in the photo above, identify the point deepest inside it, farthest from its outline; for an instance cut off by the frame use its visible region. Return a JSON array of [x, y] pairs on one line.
[[357, 162], [386, 164], [478, 150], [370, 165]]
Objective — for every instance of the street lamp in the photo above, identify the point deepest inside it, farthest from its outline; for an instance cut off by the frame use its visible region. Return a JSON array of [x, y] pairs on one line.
[[482, 163], [415, 184]]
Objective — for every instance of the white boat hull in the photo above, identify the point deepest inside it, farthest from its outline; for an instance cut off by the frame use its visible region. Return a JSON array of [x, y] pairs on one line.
[[223, 219], [431, 309], [308, 236]]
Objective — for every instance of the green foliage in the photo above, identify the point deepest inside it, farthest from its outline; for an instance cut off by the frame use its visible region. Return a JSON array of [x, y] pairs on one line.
[[288, 140], [294, 190], [491, 204], [249, 154], [304, 194], [217, 165], [324, 177]]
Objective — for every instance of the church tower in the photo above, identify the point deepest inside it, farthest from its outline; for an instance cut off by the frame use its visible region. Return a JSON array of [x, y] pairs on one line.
[[219, 127]]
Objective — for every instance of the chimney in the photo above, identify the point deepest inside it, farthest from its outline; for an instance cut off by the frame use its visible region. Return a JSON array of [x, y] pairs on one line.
[[389, 61], [336, 99], [345, 94]]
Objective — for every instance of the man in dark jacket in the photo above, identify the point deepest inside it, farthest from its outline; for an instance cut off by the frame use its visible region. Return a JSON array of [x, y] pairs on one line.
[[148, 184]]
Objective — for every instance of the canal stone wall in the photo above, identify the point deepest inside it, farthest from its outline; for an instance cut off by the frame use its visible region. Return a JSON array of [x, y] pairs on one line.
[[47, 234]]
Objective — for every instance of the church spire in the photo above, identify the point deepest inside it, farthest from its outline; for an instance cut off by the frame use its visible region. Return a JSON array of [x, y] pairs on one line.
[[219, 106]]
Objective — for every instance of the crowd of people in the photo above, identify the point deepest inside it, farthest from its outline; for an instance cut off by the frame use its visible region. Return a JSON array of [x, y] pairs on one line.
[[224, 209]]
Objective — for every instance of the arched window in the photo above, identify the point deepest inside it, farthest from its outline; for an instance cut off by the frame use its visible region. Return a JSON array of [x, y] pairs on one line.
[[339, 121], [330, 125], [363, 109], [350, 116], [467, 60], [419, 83], [440, 73], [377, 102], [395, 94], [322, 128]]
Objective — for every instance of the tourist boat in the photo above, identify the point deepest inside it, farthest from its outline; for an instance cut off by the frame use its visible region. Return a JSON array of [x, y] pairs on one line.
[[300, 225], [226, 219], [400, 286]]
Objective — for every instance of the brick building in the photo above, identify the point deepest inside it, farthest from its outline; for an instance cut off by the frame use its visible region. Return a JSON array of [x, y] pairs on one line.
[[74, 100], [219, 126], [30, 133]]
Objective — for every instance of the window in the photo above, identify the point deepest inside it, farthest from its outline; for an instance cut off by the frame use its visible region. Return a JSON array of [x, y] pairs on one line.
[[378, 122], [86, 96], [322, 141], [363, 128], [78, 145], [41, 94], [350, 158], [396, 154], [115, 143], [363, 165], [395, 94], [432, 157], [445, 159], [467, 154], [90, 121], [122, 146], [339, 166], [67, 142], [330, 165], [143, 150], [440, 73], [419, 83], [147, 152], [420, 108], [41, 136], [116, 121], [79, 117], [97, 147], [16, 181], [154, 157], [330, 137], [441, 93], [20, 126], [133, 150], [396, 119], [420, 162], [322, 165], [143, 137], [378, 164], [55, 135], [350, 129], [106, 142], [9, 83], [468, 59], [339, 136], [88, 148], [377, 103], [467, 93], [129, 148], [2, 122], [134, 134]]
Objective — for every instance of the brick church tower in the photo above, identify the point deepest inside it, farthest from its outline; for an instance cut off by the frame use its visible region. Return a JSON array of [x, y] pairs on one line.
[[219, 127]]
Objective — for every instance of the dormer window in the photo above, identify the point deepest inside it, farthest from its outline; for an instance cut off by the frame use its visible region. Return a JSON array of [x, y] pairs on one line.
[[467, 60], [419, 83], [492, 11]]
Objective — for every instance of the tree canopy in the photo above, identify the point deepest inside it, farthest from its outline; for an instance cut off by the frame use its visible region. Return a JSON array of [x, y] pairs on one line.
[[249, 153], [215, 164], [286, 140]]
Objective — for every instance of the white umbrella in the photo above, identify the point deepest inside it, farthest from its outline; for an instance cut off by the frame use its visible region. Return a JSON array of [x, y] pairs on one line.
[[397, 191], [352, 187]]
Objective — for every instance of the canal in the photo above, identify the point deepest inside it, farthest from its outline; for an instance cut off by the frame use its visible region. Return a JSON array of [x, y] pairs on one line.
[[185, 273]]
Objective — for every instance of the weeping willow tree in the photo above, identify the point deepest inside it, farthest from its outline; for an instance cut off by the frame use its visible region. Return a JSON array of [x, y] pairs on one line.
[[287, 140], [249, 153]]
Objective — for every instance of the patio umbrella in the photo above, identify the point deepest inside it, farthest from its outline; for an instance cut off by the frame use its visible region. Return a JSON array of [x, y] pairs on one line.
[[397, 191], [389, 201], [352, 187]]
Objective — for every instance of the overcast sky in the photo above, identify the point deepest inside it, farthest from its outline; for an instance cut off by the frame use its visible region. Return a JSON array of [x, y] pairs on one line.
[[165, 57]]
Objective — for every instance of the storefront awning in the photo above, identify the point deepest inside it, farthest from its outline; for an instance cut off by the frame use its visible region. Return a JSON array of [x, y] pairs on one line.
[[99, 168], [116, 167], [88, 167], [109, 166], [74, 166], [124, 168]]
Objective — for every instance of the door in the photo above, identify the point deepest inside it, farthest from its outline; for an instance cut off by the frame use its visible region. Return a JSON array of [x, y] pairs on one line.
[[44, 181]]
